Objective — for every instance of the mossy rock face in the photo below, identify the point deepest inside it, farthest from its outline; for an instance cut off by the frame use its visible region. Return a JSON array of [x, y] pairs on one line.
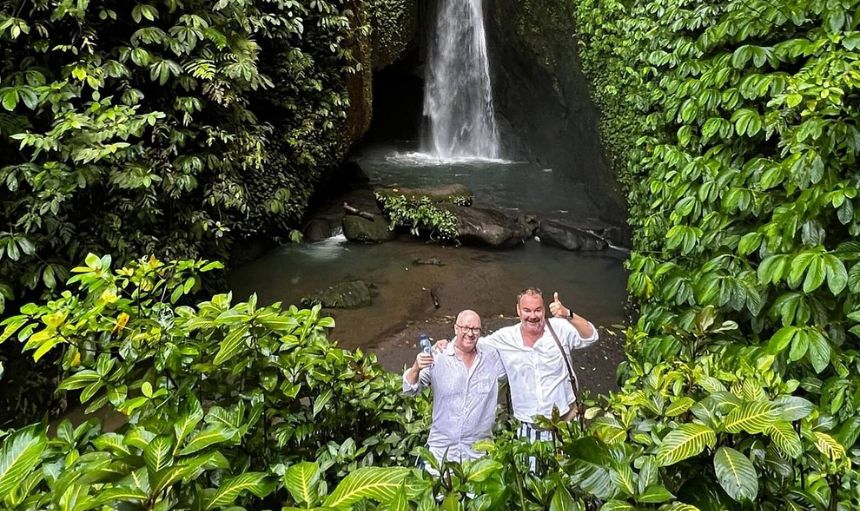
[[395, 27], [449, 194], [346, 295], [362, 230]]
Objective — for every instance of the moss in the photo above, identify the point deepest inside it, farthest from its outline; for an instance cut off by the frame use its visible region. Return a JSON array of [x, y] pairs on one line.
[[395, 25]]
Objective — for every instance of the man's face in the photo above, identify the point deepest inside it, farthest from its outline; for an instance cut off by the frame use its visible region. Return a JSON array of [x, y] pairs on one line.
[[468, 329], [531, 313]]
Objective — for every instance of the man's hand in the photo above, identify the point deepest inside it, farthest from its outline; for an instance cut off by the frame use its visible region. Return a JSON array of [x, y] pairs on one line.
[[422, 360], [440, 345], [557, 309]]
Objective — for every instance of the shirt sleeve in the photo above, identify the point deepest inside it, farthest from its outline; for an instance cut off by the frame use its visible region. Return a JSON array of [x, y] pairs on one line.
[[573, 338], [423, 381], [494, 340]]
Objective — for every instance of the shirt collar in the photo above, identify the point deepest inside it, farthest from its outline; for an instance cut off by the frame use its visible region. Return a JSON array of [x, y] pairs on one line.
[[449, 350]]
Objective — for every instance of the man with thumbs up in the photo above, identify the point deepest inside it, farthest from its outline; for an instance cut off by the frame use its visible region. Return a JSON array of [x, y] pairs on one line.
[[539, 369]]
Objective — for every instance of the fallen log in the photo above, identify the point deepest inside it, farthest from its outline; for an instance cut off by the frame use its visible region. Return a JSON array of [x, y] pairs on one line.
[[355, 211]]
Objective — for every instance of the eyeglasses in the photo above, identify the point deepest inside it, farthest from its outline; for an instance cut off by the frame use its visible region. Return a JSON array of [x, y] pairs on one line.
[[474, 330]]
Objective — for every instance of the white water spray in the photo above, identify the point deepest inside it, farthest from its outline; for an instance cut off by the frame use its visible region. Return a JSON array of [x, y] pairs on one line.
[[458, 98]]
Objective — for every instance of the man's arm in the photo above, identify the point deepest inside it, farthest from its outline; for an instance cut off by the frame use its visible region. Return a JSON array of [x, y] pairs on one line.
[[586, 333], [418, 376]]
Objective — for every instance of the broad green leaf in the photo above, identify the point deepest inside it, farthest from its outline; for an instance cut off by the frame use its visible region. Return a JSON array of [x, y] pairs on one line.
[[321, 401], [214, 434], [655, 494], [481, 469], [20, 454], [231, 344], [819, 351], [258, 483], [617, 505], [301, 481], [837, 276], [686, 441], [736, 474], [793, 408], [375, 483], [815, 274], [562, 500]]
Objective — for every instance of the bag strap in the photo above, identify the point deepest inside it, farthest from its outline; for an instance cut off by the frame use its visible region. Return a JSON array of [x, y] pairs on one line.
[[574, 382]]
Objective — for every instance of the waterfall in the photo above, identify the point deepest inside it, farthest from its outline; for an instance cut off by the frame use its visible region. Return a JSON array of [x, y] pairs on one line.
[[458, 98]]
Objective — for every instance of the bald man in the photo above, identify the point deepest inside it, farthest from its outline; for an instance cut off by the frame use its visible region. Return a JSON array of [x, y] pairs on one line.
[[465, 382]]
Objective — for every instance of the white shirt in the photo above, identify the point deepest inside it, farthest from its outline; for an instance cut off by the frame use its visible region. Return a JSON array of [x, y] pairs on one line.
[[538, 377], [464, 401]]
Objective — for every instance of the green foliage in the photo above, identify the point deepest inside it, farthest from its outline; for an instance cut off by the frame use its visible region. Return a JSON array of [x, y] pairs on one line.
[[741, 185], [221, 400], [163, 127], [421, 214]]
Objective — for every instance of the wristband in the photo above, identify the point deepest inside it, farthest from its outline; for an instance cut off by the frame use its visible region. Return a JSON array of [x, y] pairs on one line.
[[569, 313]]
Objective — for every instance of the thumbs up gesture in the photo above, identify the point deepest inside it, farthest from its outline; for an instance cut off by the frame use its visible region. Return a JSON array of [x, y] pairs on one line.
[[557, 309]]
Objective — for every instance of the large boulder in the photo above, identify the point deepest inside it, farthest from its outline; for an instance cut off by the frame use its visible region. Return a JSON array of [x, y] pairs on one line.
[[360, 229], [489, 227], [346, 295], [570, 237]]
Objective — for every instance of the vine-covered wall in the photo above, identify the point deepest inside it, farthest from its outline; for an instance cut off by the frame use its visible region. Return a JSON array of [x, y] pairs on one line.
[[734, 126]]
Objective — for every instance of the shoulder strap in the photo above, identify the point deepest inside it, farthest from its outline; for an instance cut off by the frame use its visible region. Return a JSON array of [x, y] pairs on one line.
[[574, 382]]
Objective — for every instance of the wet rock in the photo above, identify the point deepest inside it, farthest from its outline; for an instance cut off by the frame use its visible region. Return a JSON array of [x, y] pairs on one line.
[[452, 194], [569, 236], [362, 230], [529, 223], [317, 229], [489, 227], [432, 261], [346, 295]]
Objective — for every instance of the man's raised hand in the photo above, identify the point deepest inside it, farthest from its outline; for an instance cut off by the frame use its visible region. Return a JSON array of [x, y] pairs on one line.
[[557, 309]]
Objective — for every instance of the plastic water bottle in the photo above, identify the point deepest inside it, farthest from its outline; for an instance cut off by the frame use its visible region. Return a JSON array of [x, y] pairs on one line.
[[424, 343]]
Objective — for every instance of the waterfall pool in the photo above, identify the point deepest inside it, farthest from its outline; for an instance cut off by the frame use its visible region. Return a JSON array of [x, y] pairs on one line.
[[592, 283]]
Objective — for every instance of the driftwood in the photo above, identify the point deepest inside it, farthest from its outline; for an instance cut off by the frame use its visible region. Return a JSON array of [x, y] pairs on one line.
[[355, 211], [433, 296]]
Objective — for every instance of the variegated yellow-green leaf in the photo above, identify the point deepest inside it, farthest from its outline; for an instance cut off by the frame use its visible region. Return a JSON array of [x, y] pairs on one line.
[[829, 446], [754, 417], [257, 483], [786, 439], [679, 406], [686, 441], [158, 454], [622, 478], [376, 483], [209, 436], [617, 505], [301, 481], [20, 453]]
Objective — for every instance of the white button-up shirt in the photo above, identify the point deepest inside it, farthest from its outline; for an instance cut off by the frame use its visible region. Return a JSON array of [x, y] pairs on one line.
[[537, 376], [464, 401]]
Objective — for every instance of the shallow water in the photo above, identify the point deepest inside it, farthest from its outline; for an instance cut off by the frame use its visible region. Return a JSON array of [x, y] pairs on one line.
[[592, 283]]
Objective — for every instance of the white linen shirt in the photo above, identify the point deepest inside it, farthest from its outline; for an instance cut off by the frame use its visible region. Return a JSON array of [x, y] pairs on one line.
[[537, 376], [464, 401]]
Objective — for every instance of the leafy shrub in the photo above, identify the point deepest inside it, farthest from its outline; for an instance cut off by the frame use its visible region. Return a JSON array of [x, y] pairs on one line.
[[420, 214], [162, 127], [215, 396], [742, 182]]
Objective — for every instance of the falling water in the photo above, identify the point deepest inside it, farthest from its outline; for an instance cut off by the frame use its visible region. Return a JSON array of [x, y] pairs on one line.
[[458, 99]]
